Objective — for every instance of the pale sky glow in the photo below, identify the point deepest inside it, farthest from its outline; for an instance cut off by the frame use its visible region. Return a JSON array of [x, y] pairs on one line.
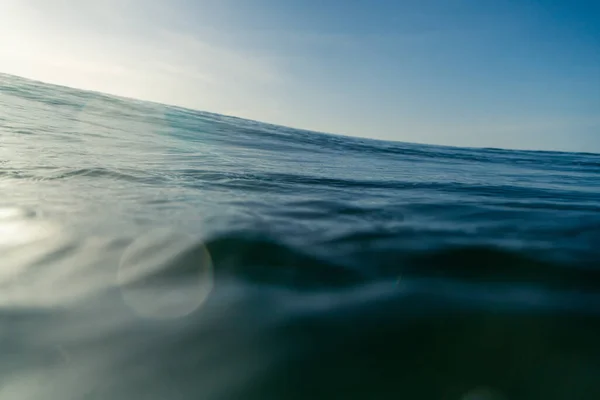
[[457, 72]]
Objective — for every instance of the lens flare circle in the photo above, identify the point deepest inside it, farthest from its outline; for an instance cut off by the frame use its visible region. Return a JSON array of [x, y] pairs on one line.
[[165, 275]]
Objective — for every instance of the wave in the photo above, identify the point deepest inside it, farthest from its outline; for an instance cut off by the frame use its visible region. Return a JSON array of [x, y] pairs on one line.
[[59, 173], [349, 261]]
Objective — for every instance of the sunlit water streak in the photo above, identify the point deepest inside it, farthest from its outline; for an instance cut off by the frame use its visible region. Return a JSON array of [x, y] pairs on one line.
[[154, 252]]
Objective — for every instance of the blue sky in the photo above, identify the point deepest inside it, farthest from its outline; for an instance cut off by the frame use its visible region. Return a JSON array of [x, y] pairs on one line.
[[491, 73]]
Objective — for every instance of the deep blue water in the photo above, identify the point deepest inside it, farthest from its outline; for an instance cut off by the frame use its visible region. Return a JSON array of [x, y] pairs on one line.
[[153, 252]]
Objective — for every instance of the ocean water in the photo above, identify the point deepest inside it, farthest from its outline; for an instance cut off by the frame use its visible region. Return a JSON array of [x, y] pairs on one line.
[[154, 252]]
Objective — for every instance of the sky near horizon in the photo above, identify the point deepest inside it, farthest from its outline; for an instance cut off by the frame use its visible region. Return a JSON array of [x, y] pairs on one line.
[[485, 73]]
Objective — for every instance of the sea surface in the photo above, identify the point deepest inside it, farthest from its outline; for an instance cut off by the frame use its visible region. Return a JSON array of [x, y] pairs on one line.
[[154, 252]]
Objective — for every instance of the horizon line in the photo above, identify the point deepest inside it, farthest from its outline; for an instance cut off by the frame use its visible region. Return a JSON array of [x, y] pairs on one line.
[[195, 110]]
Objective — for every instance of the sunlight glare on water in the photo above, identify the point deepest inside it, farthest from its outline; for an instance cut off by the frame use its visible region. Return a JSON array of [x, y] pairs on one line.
[[17, 228]]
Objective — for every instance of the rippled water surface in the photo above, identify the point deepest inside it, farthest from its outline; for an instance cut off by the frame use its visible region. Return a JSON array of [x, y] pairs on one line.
[[153, 252]]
